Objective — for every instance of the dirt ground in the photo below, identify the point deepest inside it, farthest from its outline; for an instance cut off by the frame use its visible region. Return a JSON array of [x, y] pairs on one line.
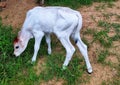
[[14, 14]]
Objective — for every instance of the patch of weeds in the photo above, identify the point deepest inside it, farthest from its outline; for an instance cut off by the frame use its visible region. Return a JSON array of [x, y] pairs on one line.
[[104, 5], [70, 3], [100, 7], [116, 37], [103, 83], [54, 69], [116, 26], [108, 26], [25, 77], [103, 38], [103, 34], [6, 53], [4, 37], [89, 31], [102, 56], [115, 82], [117, 16], [93, 18], [104, 24], [108, 15], [110, 4], [104, 0], [85, 2]]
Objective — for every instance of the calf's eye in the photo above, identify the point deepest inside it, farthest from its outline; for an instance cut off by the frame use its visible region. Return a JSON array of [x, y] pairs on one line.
[[17, 47]]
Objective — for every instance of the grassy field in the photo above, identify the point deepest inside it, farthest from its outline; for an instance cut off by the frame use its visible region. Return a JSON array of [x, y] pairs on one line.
[[20, 71], [72, 3]]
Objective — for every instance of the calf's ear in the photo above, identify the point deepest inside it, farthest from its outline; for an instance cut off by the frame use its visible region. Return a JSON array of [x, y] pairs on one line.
[[21, 42], [20, 37]]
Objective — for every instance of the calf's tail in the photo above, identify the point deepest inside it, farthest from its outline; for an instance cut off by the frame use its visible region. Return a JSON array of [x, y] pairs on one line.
[[76, 34]]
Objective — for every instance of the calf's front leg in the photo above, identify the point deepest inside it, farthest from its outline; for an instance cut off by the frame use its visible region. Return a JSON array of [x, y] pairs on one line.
[[69, 50], [38, 38]]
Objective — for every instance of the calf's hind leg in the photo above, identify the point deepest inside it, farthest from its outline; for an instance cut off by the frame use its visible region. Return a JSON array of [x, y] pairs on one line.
[[83, 49]]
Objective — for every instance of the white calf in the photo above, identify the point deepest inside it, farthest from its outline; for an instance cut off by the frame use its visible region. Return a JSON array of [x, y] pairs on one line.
[[62, 21]]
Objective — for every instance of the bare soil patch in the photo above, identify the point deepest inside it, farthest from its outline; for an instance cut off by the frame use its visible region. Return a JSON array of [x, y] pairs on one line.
[[101, 74], [53, 82], [113, 59], [40, 66], [15, 12]]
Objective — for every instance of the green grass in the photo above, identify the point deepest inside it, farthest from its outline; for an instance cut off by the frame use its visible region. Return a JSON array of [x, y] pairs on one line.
[[69, 3], [102, 56], [102, 35], [103, 38], [74, 3], [54, 69], [104, 0], [108, 15], [20, 71], [11, 68], [107, 26]]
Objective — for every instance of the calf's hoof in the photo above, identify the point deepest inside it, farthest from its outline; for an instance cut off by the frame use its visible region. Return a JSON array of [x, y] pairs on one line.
[[49, 52], [33, 62], [89, 70], [64, 67]]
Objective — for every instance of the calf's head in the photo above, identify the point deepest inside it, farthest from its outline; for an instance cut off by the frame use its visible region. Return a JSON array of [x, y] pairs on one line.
[[20, 42], [19, 46]]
